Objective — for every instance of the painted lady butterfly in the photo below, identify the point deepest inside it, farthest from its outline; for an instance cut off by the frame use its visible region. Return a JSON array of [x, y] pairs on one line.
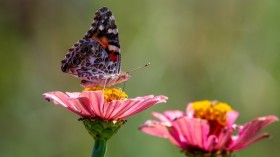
[[96, 59]]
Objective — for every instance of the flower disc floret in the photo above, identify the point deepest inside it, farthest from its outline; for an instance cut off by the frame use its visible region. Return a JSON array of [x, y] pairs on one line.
[[110, 94], [213, 111]]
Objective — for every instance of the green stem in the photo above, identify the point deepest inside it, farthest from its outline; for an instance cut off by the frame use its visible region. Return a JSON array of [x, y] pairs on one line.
[[99, 148]]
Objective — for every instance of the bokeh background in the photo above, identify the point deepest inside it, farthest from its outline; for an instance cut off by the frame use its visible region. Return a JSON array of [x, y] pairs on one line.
[[218, 50]]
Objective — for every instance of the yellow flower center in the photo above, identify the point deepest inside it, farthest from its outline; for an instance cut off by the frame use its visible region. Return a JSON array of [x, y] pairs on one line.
[[110, 94], [212, 111]]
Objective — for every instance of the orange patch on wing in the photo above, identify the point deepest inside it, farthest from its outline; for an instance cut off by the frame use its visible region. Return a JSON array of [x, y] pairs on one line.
[[103, 41]]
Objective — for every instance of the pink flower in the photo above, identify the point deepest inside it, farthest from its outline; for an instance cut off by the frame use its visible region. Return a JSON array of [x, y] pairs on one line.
[[207, 128], [106, 104]]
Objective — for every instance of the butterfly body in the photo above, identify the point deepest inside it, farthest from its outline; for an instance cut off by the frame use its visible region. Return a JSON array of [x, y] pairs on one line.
[[96, 59]]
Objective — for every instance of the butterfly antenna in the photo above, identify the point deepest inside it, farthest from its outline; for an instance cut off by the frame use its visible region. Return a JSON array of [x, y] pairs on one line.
[[139, 68]]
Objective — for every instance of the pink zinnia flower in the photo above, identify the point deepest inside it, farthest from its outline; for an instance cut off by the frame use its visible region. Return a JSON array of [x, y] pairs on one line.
[[207, 128], [106, 104], [102, 110]]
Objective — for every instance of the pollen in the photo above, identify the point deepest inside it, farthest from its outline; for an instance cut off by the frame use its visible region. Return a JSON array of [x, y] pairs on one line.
[[212, 111], [110, 94]]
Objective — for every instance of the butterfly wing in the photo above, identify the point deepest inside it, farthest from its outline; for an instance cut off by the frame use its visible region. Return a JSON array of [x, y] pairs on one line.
[[104, 30], [96, 58], [88, 60]]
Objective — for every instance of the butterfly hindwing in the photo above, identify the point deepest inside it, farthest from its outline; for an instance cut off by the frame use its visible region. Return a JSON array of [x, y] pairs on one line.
[[88, 60]]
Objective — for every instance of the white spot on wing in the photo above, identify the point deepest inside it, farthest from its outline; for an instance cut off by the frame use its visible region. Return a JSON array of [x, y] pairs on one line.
[[113, 48], [101, 27], [114, 31], [112, 18]]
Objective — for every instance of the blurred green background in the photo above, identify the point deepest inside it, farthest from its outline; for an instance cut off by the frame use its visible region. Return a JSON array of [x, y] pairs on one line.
[[221, 50]]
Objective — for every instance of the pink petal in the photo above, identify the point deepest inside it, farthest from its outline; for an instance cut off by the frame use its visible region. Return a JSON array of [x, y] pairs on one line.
[[223, 139], [136, 108], [118, 108], [84, 105], [247, 134], [113, 109], [231, 117], [133, 106], [160, 116], [160, 129], [172, 115], [96, 99], [211, 143], [58, 98], [168, 116], [62, 99], [189, 110], [73, 94], [258, 138], [191, 132], [154, 128]]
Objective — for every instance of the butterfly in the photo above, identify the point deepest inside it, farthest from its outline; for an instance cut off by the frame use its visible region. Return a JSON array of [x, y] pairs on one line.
[[96, 59]]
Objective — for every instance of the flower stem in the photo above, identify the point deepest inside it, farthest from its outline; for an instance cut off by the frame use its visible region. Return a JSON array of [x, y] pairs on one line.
[[99, 148]]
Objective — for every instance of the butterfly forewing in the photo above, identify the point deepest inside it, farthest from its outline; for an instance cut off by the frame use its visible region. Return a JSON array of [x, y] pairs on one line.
[[104, 28]]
